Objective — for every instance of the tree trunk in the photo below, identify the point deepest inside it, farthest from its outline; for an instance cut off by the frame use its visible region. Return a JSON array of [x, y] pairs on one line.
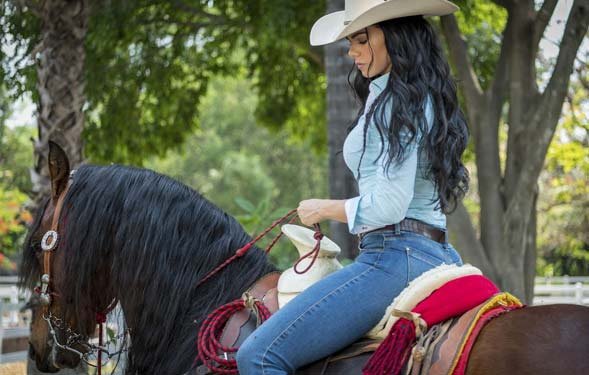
[[340, 113], [60, 68], [531, 256], [508, 200]]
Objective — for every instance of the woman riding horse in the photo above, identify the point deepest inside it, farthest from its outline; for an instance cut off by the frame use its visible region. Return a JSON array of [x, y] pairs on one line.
[[404, 149], [142, 239]]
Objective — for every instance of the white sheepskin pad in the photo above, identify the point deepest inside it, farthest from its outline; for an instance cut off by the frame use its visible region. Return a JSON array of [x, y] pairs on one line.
[[417, 290]]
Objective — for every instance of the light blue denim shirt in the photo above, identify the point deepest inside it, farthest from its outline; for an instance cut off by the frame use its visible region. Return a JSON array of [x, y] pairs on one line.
[[387, 197]]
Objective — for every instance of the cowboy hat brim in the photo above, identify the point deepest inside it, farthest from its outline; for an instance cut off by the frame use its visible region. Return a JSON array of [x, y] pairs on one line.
[[333, 26]]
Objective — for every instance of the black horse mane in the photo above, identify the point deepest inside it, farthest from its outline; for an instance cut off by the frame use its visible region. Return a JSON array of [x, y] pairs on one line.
[[146, 239]]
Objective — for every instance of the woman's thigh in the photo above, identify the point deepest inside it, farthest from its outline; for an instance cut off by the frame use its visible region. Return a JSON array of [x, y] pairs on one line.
[[333, 312]]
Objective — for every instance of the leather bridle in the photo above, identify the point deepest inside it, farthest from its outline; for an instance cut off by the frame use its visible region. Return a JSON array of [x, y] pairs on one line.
[[49, 244]]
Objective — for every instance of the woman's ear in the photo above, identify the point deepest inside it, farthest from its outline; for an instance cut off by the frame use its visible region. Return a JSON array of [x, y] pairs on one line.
[[59, 170]]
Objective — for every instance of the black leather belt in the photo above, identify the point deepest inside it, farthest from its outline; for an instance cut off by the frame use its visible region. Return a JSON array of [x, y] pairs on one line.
[[414, 226]]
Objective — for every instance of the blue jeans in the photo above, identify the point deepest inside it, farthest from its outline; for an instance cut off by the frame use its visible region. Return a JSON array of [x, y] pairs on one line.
[[340, 309]]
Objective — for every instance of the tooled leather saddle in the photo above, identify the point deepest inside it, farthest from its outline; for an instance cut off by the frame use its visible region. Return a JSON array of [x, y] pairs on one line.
[[435, 352]]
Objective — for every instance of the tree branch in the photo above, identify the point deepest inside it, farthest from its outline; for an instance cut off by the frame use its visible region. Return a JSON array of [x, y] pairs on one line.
[[556, 90], [497, 92], [190, 24], [546, 117], [542, 18], [459, 54], [576, 28]]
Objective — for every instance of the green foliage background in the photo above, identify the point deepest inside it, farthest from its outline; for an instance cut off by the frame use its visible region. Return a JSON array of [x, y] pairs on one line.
[[253, 173], [228, 97], [15, 159]]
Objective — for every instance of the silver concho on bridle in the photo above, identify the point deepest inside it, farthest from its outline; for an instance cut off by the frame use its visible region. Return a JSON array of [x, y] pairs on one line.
[[49, 240], [48, 243]]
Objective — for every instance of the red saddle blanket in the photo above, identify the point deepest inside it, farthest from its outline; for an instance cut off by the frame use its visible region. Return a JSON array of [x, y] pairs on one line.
[[450, 300]]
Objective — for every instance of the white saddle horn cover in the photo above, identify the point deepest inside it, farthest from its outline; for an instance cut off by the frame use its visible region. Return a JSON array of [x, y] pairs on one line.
[[290, 283]]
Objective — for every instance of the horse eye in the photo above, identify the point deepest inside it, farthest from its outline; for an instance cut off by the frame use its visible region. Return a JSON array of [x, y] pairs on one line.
[[36, 246]]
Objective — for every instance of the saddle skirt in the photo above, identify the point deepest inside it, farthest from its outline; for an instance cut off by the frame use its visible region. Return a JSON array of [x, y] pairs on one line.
[[439, 350], [444, 349]]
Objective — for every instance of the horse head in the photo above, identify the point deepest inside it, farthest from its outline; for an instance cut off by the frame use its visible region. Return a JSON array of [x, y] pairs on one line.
[[59, 330], [136, 237]]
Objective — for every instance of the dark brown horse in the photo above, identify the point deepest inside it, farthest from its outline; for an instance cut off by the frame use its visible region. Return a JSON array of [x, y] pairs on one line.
[[145, 240]]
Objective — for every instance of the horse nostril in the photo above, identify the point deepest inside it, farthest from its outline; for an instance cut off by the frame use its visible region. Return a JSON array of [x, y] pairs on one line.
[[31, 352]]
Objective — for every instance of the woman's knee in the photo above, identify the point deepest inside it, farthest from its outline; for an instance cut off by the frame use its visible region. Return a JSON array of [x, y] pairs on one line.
[[256, 357], [245, 356]]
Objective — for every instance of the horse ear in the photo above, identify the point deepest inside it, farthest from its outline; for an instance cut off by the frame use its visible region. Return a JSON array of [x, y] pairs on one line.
[[59, 170]]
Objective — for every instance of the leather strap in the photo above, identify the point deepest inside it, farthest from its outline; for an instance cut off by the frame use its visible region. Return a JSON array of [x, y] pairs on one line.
[[414, 226], [264, 290]]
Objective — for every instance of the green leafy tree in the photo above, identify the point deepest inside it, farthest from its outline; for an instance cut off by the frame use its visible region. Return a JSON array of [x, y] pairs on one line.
[[563, 235], [13, 220], [15, 160], [146, 64], [251, 172], [119, 81], [51, 32], [508, 194]]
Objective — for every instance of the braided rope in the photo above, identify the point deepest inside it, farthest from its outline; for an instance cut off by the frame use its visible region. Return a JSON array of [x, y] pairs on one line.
[[242, 250], [318, 236], [208, 343]]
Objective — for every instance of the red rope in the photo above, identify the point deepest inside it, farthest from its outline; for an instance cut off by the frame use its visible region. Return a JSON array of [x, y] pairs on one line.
[[100, 320], [211, 329], [242, 250], [318, 236], [208, 344], [278, 236]]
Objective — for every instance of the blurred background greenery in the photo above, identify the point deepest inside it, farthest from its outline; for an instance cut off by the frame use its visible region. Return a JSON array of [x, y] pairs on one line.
[[227, 97], [257, 175]]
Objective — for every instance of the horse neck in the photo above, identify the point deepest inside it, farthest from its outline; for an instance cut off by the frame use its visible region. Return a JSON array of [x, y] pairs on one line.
[[164, 313]]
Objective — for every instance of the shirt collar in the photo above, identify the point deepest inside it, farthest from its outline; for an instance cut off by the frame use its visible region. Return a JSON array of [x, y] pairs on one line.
[[378, 84]]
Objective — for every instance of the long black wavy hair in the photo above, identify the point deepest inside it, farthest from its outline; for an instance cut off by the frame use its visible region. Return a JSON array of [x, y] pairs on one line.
[[146, 240], [419, 69]]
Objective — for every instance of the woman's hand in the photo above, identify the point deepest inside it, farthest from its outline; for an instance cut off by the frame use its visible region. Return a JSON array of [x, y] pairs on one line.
[[312, 211], [309, 211]]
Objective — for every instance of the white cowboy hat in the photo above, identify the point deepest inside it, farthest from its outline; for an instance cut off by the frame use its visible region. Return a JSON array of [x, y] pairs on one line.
[[359, 14]]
